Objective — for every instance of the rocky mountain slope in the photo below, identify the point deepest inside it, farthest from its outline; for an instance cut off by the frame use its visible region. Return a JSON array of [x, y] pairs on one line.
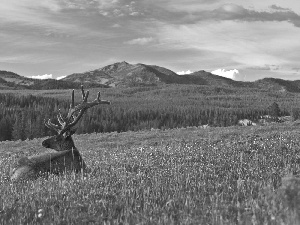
[[120, 74]]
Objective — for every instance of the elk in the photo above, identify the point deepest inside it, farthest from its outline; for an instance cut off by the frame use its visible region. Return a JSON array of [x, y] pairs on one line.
[[65, 156]]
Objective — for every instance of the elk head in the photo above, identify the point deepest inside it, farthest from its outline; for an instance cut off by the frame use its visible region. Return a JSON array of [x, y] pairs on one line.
[[65, 157], [63, 140]]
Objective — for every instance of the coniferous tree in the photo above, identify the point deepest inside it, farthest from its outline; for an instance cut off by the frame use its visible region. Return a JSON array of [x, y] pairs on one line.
[[5, 129], [274, 110], [18, 129], [295, 113]]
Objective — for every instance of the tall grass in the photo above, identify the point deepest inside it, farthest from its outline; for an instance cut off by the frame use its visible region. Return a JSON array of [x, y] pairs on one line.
[[181, 176]]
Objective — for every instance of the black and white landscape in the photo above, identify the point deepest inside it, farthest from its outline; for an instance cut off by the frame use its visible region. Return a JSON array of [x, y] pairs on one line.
[[149, 112]]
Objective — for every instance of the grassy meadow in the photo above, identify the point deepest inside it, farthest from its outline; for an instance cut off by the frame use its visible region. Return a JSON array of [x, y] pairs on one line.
[[190, 175]]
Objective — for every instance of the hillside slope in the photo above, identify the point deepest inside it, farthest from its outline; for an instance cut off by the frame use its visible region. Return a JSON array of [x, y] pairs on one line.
[[118, 74], [278, 84], [10, 80]]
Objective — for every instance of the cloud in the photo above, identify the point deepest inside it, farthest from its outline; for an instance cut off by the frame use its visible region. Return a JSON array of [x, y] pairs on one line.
[[265, 67], [106, 8], [35, 19], [184, 72], [61, 77], [116, 25], [140, 41], [239, 13], [278, 8], [231, 11], [24, 58], [240, 45], [15, 10], [297, 69], [181, 34], [87, 5], [106, 4], [274, 67], [42, 77], [229, 73], [259, 68]]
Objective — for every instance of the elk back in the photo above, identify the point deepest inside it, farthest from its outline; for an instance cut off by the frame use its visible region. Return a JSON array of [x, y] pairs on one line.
[[50, 162]]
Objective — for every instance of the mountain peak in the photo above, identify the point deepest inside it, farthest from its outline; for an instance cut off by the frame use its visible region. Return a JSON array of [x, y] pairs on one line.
[[124, 63], [113, 68]]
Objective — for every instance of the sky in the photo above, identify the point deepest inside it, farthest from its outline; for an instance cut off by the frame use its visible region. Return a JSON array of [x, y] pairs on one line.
[[242, 40]]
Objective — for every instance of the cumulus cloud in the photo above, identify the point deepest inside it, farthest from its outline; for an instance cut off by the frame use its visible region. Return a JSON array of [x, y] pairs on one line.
[[61, 77], [229, 73], [46, 76], [42, 77], [140, 41], [184, 72], [232, 9]]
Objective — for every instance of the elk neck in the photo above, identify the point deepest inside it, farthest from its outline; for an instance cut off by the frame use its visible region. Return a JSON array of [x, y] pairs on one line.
[[59, 143]]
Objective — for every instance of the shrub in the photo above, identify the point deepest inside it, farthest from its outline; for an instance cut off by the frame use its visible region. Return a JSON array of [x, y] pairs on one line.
[[295, 113], [274, 110]]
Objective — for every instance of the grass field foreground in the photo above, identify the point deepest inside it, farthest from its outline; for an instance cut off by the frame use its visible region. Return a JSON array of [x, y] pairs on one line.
[[182, 176]]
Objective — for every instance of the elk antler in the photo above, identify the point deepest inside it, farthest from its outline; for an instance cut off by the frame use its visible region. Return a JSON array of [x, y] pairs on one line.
[[72, 119]]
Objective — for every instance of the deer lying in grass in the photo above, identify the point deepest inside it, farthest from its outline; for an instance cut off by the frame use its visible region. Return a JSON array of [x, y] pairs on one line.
[[66, 157]]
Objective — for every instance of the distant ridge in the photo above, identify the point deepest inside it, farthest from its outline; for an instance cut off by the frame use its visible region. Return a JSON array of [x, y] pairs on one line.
[[278, 84], [10, 80], [123, 74]]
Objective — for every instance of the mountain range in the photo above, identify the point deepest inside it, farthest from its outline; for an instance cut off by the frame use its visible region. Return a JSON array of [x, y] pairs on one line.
[[128, 75], [10, 80], [123, 74]]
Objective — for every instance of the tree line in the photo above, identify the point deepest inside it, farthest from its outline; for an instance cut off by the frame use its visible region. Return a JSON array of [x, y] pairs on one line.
[[22, 117]]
